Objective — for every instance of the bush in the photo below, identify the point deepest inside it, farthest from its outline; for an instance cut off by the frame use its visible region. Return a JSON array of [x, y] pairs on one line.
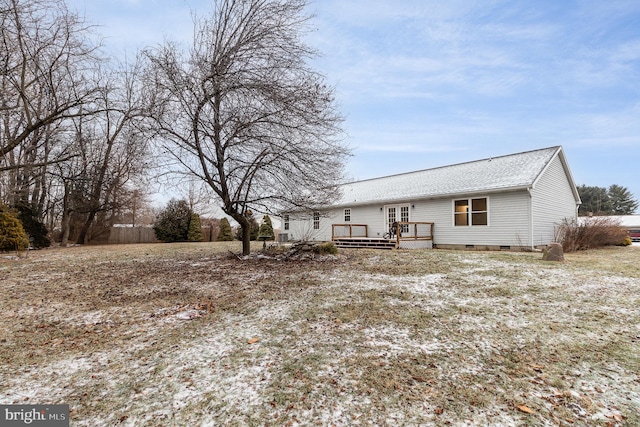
[[325, 249], [266, 229], [589, 233], [172, 224], [35, 229], [12, 234]]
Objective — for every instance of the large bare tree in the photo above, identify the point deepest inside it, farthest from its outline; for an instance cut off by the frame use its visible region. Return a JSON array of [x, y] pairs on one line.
[[243, 110], [45, 63], [46, 77]]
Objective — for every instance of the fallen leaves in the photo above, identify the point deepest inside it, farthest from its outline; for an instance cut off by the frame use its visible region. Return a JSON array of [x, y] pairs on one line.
[[525, 409], [253, 340]]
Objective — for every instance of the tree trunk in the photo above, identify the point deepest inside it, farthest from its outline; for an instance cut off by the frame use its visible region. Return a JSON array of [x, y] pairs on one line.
[[245, 224], [246, 239], [65, 215], [82, 237]]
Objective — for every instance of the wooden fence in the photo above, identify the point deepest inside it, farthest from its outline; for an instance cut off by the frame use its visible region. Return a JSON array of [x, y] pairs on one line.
[[125, 235]]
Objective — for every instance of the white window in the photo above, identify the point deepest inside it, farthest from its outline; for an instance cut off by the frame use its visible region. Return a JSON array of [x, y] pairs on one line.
[[347, 215], [285, 218], [316, 220], [471, 212]]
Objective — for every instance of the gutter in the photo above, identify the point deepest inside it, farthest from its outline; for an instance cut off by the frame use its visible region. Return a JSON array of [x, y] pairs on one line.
[[529, 189]]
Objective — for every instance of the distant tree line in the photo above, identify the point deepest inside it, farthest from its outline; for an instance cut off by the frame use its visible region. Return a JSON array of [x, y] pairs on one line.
[[615, 200]]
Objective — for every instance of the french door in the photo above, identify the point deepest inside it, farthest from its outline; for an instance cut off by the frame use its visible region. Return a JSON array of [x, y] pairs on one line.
[[398, 213]]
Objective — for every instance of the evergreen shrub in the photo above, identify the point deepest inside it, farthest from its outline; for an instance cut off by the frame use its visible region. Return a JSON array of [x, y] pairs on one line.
[[12, 234], [195, 229], [172, 224], [225, 234]]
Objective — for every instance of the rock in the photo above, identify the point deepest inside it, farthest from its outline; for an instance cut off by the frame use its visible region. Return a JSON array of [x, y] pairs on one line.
[[553, 252]]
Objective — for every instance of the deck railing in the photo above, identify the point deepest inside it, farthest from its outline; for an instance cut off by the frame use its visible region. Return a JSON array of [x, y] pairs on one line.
[[349, 230], [414, 234]]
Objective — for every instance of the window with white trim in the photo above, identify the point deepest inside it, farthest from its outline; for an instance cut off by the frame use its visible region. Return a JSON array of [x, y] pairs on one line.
[[316, 220], [347, 215], [471, 212], [285, 219]]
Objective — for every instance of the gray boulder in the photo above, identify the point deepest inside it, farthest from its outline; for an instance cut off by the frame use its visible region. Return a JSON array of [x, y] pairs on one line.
[[553, 252]]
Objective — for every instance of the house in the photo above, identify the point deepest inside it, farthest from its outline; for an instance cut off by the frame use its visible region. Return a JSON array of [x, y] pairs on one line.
[[507, 202]]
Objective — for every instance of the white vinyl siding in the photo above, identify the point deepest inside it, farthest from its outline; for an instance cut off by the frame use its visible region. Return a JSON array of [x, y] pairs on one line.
[[308, 226], [552, 201], [514, 217], [508, 221]]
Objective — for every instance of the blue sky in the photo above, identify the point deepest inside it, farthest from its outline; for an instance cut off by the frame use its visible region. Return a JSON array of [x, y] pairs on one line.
[[428, 83]]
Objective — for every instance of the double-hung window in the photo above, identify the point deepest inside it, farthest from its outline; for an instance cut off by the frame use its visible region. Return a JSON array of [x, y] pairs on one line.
[[316, 220], [471, 212], [347, 215]]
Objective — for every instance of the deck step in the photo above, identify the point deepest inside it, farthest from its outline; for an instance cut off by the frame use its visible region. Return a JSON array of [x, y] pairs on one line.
[[365, 243]]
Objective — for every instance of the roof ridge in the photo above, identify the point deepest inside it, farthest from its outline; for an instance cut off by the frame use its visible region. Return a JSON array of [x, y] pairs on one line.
[[555, 148]]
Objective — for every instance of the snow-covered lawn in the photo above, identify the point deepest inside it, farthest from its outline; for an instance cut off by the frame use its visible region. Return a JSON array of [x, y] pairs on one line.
[[187, 335]]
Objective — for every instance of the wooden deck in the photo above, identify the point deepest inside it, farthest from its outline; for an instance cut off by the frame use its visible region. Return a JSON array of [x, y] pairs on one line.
[[413, 235], [364, 242]]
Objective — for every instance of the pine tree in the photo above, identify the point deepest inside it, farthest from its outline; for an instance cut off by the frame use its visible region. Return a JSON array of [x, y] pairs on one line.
[[195, 229], [225, 234], [266, 229], [595, 200], [616, 200], [621, 200]]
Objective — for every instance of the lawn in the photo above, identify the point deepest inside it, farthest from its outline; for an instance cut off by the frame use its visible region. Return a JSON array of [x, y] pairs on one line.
[[190, 335]]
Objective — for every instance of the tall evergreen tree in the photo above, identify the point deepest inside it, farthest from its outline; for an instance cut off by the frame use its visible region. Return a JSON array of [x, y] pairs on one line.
[[595, 200], [225, 234], [195, 229], [621, 200], [616, 200]]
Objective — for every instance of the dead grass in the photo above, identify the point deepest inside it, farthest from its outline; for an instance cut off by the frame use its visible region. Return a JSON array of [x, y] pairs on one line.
[[367, 337]]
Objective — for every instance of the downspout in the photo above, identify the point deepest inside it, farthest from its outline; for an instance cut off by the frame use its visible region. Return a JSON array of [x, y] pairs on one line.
[[530, 219]]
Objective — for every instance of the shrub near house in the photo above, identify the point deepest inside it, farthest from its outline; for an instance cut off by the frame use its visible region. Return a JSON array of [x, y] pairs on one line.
[[590, 233]]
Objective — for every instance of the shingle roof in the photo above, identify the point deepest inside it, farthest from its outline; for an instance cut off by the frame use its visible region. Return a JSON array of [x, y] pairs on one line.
[[489, 175]]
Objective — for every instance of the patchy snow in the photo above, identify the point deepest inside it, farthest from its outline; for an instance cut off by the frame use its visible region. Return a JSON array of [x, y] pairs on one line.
[[488, 326]]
